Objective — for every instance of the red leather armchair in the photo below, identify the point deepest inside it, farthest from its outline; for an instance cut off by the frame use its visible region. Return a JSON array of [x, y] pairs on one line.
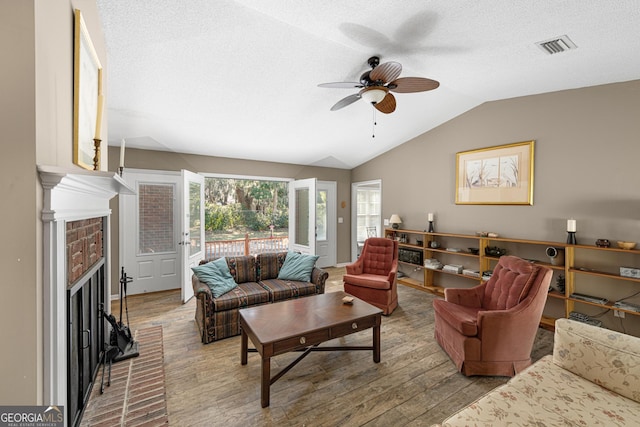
[[489, 329], [372, 278]]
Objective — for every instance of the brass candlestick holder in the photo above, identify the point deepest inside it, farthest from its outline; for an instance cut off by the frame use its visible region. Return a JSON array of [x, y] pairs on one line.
[[96, 157]]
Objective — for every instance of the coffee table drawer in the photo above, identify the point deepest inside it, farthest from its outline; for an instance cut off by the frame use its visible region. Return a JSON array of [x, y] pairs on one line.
[[355, 326], [301, 341]]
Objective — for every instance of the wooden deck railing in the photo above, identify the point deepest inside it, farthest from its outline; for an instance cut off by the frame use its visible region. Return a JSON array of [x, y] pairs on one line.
[[246, 246]]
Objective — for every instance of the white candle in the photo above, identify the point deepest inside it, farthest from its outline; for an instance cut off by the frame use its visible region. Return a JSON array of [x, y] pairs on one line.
[[571, 225], [99, 116], [122, 153], [429, 216]]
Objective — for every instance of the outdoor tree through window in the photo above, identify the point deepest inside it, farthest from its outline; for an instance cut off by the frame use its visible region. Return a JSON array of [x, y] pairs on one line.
[[236, 207]]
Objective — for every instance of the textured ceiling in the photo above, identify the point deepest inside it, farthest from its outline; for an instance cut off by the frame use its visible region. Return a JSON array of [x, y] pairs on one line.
[[239, 78]]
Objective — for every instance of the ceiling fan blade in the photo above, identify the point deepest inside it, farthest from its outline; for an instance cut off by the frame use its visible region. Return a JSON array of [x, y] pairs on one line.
[[387, 72], [413, 84], [387, 105], [342, 85], [346, 101]]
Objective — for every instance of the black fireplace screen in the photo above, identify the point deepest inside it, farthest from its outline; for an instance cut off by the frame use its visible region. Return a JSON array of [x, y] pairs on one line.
[[85, 338]]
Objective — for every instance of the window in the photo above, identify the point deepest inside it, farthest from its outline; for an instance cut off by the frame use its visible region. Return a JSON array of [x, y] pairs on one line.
[[368, 210]]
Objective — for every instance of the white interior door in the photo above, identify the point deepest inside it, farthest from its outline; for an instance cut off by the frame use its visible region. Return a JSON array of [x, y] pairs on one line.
[[326, 212], [150, 231], [302, 216], [192, 228]]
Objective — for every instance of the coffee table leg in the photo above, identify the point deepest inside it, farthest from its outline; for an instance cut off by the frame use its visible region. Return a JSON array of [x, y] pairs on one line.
[[266, 381], [244, 344], [376, 343]]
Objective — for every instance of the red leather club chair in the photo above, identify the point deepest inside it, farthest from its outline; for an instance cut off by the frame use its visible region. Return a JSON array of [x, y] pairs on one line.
[[372, 278], [489, 329]]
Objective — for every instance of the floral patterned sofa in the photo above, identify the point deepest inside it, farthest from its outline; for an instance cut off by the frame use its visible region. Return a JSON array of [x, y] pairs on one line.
[[258, 283], [592, 379]]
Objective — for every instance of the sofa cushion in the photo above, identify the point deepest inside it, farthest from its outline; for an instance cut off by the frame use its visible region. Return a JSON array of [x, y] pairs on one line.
[[280, 290], [216, 275], [366, 280], [268, 265], [244, 295], [462, 319], [297, 267], [608, 358], [242, 268]]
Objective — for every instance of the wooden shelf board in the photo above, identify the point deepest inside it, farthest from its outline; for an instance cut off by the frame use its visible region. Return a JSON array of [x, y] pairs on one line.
[[612, 249], [603, 274], [444, 251], [556, 294], [410, 246]]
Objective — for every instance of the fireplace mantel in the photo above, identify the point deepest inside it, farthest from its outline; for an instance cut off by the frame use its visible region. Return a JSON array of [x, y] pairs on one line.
[[78, 193], [69, 195]]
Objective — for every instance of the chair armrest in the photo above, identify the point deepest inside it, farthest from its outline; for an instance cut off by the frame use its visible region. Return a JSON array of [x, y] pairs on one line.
[[468, 297], [393, 273], [355, 268], [318, 278]]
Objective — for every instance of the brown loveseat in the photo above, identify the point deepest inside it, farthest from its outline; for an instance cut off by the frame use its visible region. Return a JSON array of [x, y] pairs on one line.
[[258, 283]]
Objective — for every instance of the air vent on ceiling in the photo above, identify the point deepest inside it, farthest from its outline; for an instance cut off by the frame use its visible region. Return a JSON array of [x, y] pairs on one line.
[[557, 45]]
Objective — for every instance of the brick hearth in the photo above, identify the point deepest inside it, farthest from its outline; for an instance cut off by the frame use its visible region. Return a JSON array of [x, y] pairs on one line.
[[136, 396]]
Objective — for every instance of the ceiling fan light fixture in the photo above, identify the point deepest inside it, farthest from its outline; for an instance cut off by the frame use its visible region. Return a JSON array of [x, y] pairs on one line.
[[374, 94]]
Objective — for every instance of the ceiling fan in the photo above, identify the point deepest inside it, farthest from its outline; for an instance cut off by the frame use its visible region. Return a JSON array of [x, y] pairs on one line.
[[378, 83]]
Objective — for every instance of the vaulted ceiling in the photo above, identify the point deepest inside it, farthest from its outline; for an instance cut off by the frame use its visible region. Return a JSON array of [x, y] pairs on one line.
[[239, 78]]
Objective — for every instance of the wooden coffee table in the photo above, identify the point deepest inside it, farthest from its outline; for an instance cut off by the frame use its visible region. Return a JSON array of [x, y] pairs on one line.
[[301, 325]]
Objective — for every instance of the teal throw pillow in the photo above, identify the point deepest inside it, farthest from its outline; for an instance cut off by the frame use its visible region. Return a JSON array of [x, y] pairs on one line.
[[216, 274], [297, 267]]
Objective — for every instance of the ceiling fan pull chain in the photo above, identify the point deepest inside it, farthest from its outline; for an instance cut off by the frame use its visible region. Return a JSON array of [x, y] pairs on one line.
[[373, 127]]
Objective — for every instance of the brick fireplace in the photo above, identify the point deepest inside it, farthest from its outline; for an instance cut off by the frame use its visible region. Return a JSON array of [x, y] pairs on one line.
[[76, 228]]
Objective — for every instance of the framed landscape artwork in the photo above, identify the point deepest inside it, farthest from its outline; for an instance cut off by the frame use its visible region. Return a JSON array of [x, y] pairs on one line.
[[499, 175], [87, 95]]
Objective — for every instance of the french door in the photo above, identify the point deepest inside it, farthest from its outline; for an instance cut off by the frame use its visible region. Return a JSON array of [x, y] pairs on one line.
[[192, 239], [312, 219], [302, 216]]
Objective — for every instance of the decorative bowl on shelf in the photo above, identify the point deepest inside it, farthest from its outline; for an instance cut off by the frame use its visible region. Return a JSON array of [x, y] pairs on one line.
[[626, 245], [482, 233]]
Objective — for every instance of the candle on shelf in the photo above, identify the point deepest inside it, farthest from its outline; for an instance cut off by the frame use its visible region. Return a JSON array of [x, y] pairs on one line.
[[571, 225], [430, 216], [99, 116], [122, 153]]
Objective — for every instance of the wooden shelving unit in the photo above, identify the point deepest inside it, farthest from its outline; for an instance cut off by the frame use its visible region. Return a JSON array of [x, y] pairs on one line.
[[578, 266]]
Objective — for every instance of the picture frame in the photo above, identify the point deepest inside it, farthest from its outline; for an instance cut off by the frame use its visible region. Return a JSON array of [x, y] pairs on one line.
[[87, 94], [498, 175]]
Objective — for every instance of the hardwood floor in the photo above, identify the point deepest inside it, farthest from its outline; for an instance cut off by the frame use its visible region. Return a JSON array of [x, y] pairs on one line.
[[415, 384]]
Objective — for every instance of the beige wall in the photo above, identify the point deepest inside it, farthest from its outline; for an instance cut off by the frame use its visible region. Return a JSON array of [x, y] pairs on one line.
[[36, 118], [19, 252], [586, 166], [162, 160]]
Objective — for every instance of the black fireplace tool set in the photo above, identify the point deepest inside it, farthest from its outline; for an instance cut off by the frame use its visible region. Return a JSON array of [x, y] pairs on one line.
[[121, 344]]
